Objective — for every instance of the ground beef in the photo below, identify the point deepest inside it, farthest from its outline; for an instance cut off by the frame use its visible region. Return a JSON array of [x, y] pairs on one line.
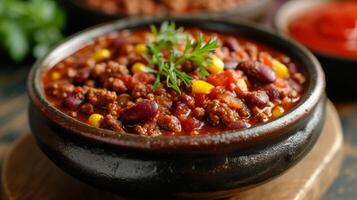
[[169, 123], [111, 122], [87, 108], [219, 112], [199, 112], [60, 89], [149, 129], [141, 90], [101, 97], [115, 84]]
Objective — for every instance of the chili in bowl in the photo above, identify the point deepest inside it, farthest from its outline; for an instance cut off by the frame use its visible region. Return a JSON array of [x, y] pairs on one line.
[[190, 105]]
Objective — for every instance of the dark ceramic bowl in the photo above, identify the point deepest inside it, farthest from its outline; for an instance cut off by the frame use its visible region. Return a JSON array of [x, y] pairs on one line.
[[133, 164], [81, 16], [340, 72]]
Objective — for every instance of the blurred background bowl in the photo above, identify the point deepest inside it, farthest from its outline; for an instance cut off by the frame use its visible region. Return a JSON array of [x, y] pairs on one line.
[[340, 72], [81, 16]]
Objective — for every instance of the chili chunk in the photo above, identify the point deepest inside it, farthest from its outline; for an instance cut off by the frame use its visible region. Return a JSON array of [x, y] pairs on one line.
[[170, 81]]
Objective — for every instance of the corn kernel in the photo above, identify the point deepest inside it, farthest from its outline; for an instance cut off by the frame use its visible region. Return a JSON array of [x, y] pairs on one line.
[[201, 87], [280, 69], [138, 67], [277, 111], [95, 120], [55, 76], [140, 48], [242, 85], [101, 55], [216, 66]]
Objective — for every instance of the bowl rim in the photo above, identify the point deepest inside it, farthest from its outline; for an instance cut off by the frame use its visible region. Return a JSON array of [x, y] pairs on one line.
[[232, 140], [241, 9], [287, 5]]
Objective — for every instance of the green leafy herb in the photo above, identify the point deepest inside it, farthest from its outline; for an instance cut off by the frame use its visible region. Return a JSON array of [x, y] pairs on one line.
[[29, 26], [167, 39]]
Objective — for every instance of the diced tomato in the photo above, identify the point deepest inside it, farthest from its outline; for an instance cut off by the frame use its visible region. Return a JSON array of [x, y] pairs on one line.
[[128, 81], [199, 99], [165, 53], [189, 124], [266, 59], [223, 79], [143, 78], [215, 92]]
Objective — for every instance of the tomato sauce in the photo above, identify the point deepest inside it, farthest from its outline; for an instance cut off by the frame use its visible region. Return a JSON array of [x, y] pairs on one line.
[[329, 29]]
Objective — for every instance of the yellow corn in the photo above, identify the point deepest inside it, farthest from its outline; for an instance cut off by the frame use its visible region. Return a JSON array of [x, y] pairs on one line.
[[101, 55], [242, 85], [201, 87], [277, 111], [95, 120], [56, 76], [216, 66], [280, 69], [140, 48], [138, 67]]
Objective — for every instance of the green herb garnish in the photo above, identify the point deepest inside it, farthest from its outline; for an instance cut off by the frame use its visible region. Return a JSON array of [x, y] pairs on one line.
[[29, 26], [167, 39]]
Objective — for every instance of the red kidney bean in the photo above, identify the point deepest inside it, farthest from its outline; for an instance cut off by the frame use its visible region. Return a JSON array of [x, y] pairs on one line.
[[292, 68], [231, 43], [258, 71], [259, 99], [119, 42], [140, 112], [272, 91], [81, 76], [236, 125], [73, 100], [293, 84], [230, 64]]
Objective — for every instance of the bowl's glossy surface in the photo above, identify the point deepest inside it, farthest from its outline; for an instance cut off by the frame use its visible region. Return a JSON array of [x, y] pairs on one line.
[[174, 164], [340, 72]]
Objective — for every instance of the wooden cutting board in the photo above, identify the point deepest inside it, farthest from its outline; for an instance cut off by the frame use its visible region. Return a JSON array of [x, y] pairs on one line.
[[28, 174]]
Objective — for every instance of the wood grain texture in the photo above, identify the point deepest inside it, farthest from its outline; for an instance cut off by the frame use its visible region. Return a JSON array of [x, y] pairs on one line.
[[28, 174]]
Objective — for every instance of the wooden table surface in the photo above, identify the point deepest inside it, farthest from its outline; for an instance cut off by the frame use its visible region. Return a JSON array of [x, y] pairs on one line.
[[13, 122]]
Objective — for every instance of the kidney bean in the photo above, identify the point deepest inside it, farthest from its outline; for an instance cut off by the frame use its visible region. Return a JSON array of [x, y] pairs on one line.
[[295, 86], [272, 91], [73, 100], [259, 99], [119, 42], [231, 64], [81, 76], [236, 125], [292, 68], [140, 112], [258, 71], [231, 43]]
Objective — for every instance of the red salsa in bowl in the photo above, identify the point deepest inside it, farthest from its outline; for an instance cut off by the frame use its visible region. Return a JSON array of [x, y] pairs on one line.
[[329, 28], [174, 81]]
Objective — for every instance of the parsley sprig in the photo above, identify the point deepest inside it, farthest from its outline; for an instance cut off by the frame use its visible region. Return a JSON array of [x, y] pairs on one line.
[[167, 39]]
